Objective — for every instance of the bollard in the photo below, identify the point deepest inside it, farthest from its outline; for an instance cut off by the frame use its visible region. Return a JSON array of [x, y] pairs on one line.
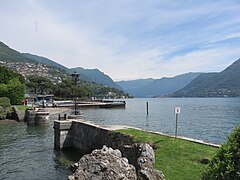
[[177, 112], [147, 107]]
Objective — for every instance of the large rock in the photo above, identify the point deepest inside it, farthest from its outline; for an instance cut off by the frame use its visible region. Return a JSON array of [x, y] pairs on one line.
[[145, 158], [105, 163]]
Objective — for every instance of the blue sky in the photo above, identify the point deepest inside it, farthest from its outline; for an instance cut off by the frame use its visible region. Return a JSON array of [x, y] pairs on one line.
[[126, 39]]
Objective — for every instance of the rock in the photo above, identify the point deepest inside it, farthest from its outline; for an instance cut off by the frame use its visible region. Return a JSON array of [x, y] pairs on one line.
[[74, 167], [71, 177], [104, 163], [145, 161], [145, 150], [142, 156]]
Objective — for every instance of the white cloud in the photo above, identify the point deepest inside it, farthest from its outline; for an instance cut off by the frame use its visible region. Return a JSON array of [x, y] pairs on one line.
[[126, 39]]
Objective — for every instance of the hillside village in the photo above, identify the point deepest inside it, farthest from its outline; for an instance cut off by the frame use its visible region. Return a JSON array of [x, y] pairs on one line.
[[27, 69]]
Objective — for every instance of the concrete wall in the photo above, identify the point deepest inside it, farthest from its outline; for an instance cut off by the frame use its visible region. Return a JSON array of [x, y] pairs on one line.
[[86, 137], [37, 117]]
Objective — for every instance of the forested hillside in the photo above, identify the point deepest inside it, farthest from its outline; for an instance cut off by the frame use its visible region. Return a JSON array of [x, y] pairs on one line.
[[223, 84]]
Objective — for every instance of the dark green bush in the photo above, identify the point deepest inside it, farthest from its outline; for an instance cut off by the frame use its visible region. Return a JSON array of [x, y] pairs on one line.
[[12, 85], [5, 102], [226, 163], [5, 107]]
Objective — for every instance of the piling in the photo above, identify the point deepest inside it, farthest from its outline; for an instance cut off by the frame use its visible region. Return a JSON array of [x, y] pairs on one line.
[[147, 107]]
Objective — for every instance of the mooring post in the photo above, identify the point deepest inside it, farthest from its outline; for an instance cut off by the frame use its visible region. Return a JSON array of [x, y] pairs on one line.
[[147, 107], [177, 112]]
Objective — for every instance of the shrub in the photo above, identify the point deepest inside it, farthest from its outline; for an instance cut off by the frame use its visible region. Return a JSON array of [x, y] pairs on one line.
[[5, 107], [12, 85], [226, 163], [5, 102]]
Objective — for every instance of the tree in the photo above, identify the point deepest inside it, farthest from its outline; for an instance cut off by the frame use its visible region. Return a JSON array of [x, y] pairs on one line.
[[12, 85], [7, 74], [226, 163], [34, 81], [16, 91]]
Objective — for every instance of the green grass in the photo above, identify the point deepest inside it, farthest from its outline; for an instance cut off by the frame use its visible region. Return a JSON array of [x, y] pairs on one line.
[[22, 107], [176, 158]]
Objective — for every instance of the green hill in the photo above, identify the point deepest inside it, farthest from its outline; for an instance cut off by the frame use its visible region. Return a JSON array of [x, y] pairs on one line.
[[14, 57], [222, 84], [95, 75], [44, 60], [10, 55]]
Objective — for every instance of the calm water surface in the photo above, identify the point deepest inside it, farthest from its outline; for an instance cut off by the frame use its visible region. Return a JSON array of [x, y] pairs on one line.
[[208, 119], [27, 152]]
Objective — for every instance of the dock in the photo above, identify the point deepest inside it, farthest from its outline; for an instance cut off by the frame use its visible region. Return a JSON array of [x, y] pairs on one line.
[[88, 104]]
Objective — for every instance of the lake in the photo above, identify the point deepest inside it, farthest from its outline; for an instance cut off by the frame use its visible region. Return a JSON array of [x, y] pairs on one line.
[[27, 152], [208, 119]]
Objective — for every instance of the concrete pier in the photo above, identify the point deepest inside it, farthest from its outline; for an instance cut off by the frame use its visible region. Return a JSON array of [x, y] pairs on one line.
[[62, 136], [37, 117]]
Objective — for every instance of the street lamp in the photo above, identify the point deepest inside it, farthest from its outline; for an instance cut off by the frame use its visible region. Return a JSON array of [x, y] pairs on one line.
[[42, 87], [75, 77]]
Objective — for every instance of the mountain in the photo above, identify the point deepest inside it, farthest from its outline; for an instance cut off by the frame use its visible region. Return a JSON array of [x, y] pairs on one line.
[[17, 61], [158, 87], [44, 60], [132, 86], [223, 84], [89, 75], [10, 55], [95, 75]]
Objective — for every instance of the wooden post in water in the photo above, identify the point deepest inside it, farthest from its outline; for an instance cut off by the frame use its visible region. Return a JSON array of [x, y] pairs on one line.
[[147, 107]]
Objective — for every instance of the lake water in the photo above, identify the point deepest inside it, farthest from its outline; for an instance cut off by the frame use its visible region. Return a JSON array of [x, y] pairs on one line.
[[27, 152], [208, 119]]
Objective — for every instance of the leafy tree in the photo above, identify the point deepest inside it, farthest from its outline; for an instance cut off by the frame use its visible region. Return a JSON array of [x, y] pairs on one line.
[[11, 85], [16, 91], [34, 84], [64, 89], [67, 89], [3, 90], [226, 163], [6, 75]]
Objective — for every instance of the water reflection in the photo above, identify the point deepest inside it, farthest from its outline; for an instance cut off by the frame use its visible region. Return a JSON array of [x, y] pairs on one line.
[[40, 131]]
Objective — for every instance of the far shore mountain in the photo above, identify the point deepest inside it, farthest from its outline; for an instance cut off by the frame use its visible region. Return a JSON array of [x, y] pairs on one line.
[[157, 87], [223, 84]]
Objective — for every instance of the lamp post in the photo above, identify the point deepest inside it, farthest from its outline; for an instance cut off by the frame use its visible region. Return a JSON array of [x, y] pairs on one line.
[[75, 77], [42, 86]]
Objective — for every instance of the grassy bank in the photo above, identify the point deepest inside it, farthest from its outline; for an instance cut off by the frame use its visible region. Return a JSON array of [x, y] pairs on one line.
[[22, 107], [176, 158]]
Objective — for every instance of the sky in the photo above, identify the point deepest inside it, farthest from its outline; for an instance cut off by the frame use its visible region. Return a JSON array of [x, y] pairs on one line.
[[126, 39]]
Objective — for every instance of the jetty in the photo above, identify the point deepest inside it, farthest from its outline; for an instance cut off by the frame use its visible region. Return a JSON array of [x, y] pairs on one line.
[[100, 104]]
